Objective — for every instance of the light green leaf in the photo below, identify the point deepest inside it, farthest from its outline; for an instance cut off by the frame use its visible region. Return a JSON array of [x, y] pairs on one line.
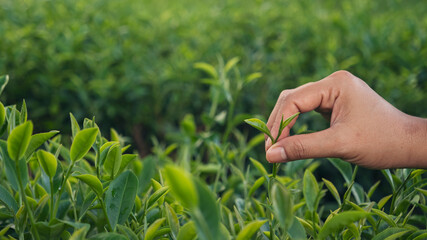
[[7, 199], [173, 220], [310, 190], [157, 195], [75, 128], [80, 234], [260, 125], [114, 136], [258, 183], [231, 63], [260, 168], [391, 233], [282, 205], [18, 140], [250, 229], [187, 232], [383, 201], [3, 82], [93, 183], [207, 68], [126, 159], [339, 221], [10, 168], [285, 123], [2, 114], [23, 115], [333, 190], [120, 197], [182, 185], [37, 140], [113, 160], [152, 229], [82, 143], [48, 162]]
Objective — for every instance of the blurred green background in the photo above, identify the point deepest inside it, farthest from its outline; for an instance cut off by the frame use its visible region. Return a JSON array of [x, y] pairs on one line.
[[130, 63]]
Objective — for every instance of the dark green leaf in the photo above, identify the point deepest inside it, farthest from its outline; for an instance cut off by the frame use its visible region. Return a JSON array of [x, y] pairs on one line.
[[343, 167], [113, 160], [391, 233], [310, 190], [120, 197], [7, 199], [108, 236], [127, 232], [282, 205], [297, 231]]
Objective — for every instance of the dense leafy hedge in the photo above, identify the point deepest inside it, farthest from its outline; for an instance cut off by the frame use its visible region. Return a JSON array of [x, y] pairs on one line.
[[130, 62], [197, 188]]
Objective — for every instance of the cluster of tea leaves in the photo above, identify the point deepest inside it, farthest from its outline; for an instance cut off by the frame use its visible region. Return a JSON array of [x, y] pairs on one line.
[[202, 186]]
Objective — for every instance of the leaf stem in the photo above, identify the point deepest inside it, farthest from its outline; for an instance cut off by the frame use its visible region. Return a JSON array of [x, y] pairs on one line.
[[104, 209], [61, 190], [24, 199]]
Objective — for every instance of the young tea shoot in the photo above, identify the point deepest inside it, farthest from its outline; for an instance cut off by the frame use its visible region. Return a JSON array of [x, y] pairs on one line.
[[261, 126]]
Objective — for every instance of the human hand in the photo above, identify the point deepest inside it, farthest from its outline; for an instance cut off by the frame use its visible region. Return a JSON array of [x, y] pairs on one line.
[[364, 128]]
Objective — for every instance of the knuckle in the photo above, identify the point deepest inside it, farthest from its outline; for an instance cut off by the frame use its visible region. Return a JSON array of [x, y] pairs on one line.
[[285, 93]]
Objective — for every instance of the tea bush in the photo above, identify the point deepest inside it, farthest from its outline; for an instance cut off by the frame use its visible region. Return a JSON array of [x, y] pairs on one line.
[[200, 187], [127, 62]]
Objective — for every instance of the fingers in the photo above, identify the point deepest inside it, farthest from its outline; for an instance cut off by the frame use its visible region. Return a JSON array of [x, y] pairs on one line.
[[308, 97], [314, 145]]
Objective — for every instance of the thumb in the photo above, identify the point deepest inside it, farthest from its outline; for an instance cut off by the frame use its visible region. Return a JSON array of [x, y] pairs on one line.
[[313, 145]]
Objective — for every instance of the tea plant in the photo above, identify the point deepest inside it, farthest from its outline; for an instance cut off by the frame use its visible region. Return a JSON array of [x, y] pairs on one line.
[[201, 186]]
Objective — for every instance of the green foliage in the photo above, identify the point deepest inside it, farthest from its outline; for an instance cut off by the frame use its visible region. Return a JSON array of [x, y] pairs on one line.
[[205, 185]]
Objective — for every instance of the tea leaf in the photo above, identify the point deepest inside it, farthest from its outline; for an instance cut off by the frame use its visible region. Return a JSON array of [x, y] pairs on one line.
[[182, 185], [18, 140], [260, 125], [37, 140], [48, 162], [391, 233], [3, 82], [385, 217], [75, 128], [310, 190], [337, 222], [260, 168], [250, 229], [187, 232], [126, 159], [231, 63], [24, 114], [152, 229], [157, 195], [113, 160], [120, 197], [82, 143], [49, 230], [258, 183], [383, 201], [108, 236], [173, 220], [2, 114], [10, 168], [282, 205], [343, 167], [333, 190], [207, 68], [130, 235], [93, 182], [7, 199], [296, 231], [285, 123], [207, 213]]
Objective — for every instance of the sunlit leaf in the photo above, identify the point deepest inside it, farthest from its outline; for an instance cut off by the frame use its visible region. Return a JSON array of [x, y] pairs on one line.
[[48, 162], [18, 140], [93, 182], [82, 143], [339, 221], [250, 229], [260, 125]]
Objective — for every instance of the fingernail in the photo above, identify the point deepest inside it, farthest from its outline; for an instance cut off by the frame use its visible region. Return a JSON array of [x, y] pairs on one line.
[[268, 144], [276, 154]]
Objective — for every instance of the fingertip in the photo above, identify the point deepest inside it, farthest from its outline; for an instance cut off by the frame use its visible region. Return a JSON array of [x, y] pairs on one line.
[[267, 144]]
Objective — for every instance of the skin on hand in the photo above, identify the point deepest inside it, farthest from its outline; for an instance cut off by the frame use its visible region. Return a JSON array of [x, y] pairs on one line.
[[364, 128]]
